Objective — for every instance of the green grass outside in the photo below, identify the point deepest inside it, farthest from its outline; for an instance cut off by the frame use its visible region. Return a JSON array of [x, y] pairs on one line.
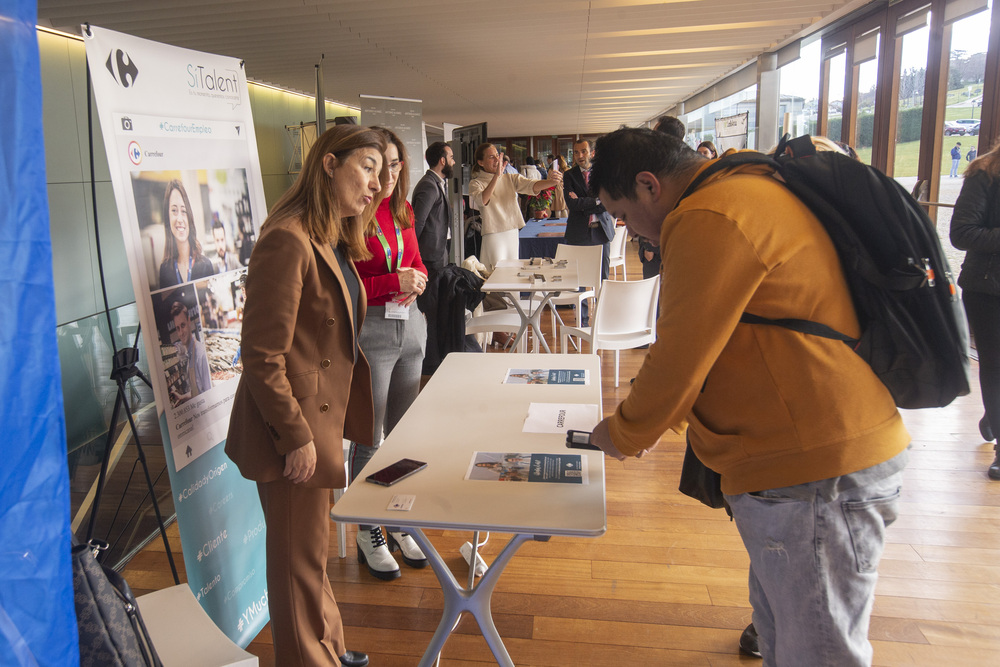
[[907, 153]]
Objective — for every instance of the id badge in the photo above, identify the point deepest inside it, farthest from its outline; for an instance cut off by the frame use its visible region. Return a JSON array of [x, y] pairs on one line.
[[396, 311]]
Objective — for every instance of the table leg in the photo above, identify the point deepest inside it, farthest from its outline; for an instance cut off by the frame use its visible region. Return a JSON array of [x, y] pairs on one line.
[[525, 321], [531, 318], [458, 599]]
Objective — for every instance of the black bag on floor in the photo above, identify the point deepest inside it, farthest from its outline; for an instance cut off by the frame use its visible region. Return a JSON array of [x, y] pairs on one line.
[[112, 633], [914, 333]]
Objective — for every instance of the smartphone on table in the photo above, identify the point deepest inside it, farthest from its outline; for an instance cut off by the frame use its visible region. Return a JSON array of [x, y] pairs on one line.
[[401, 469]]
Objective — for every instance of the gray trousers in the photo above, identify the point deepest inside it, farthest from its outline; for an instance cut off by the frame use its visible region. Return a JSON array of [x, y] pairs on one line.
[[395, 352]]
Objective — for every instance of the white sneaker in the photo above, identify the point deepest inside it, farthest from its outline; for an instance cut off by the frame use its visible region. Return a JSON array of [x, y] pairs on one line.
[[373, 553], [412, 555]]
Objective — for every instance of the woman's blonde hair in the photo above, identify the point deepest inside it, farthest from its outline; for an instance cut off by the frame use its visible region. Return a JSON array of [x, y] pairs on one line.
[[397, 203], [480, 153], [563, 165], [311, 198], [988, 162]]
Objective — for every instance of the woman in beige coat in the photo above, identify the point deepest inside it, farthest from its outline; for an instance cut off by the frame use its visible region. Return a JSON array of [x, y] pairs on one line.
[[305, 384]]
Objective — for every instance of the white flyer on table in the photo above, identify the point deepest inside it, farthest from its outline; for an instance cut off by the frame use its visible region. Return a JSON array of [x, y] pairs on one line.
[[561, 417]]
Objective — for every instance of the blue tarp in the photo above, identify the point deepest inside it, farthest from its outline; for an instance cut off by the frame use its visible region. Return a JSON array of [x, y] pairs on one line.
[[37, 620]]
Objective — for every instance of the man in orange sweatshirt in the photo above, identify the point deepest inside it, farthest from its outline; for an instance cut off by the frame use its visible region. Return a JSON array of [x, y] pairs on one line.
[[807, 439]]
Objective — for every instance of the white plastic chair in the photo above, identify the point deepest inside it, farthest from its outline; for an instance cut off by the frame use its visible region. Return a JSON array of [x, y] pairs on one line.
[[625, 317], [588, 266], [506, 321], [617, 257]]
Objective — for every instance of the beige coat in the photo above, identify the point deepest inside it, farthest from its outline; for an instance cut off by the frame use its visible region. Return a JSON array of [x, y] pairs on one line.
[[503, 213], [304, 379]]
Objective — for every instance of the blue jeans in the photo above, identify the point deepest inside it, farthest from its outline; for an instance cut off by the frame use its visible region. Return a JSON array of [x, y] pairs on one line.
[[813, 568], [954, 167]]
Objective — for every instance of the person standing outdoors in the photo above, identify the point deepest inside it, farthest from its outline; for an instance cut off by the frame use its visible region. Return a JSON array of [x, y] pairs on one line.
[[807, 440], [431, 212], [975, 228], [305, 384], [956, 159]]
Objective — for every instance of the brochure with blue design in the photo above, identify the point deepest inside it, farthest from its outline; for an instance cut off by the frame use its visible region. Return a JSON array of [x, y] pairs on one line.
[[569, 376], [525, 467]]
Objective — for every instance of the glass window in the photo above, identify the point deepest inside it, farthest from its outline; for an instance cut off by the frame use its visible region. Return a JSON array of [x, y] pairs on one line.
[[909, 113], [799, 90], [866, 50], [835, 94], [962, 114], [518, 151], [566, 150], [700, 123]]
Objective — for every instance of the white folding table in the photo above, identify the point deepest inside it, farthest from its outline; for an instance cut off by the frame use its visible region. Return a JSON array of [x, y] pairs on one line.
[[466, 408], [548, 279]]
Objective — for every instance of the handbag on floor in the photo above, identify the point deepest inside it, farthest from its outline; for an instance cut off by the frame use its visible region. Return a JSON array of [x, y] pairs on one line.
[[112, 633]]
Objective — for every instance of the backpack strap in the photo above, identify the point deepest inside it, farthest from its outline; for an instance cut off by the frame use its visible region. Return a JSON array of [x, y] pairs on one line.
[[802, 326], [726, 162]]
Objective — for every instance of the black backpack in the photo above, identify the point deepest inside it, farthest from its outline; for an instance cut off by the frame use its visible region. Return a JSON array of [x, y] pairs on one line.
[[915, 336]]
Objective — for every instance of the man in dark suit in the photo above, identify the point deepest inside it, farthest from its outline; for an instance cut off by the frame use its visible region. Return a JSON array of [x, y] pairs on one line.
[[589, 222], [431, 212]]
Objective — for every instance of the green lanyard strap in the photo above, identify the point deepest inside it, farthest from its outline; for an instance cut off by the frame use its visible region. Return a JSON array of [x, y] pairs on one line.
[[387, 249]]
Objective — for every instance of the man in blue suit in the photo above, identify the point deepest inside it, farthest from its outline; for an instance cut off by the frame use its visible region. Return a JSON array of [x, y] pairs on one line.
[[589, 222], [432, 215]]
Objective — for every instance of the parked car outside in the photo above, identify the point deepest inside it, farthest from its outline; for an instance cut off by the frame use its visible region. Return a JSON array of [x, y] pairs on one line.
[[961, 126]]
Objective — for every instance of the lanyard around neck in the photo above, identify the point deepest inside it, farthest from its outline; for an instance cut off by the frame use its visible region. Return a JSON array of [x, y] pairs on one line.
[[387, 249], [177, 269]]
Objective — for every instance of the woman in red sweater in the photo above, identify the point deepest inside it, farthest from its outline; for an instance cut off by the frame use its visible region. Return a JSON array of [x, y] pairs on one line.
[[393, 339]]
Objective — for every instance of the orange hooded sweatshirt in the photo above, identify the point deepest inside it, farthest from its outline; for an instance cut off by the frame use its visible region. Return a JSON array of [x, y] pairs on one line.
[[767, 407]]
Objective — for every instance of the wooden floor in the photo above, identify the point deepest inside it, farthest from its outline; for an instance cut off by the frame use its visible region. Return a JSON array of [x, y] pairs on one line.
[[666, 585]]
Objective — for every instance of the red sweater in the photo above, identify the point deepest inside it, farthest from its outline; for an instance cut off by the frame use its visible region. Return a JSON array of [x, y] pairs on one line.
[[381, 285]]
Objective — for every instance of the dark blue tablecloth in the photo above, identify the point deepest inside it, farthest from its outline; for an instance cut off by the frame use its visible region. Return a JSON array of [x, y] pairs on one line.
[[533, 245]]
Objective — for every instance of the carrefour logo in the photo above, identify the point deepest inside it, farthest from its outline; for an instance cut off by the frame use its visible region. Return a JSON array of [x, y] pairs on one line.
[[122, 68], [134, 152]]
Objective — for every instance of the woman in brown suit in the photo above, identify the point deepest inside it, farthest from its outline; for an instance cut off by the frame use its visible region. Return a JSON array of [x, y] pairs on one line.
[[305, 384]]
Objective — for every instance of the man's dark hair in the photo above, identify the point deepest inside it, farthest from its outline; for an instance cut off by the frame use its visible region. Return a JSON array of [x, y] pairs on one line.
[[671, 125], [529, 160], [176, 308], [624, 153], [434, 153], [218, 225]]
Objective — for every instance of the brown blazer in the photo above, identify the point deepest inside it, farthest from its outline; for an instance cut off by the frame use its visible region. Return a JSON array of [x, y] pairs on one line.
[[300, 379]]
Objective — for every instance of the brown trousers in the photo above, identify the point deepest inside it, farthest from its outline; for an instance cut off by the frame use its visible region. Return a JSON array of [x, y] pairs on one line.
[[305, 621]]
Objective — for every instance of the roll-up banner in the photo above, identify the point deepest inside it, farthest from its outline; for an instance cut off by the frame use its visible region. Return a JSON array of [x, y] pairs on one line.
[[732, 132], [405, 118], [183, 158]]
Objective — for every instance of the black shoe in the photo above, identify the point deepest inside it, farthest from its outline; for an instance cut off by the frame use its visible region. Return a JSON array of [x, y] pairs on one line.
[[994, 471], [985, 430], [354, 659], [748, 642]]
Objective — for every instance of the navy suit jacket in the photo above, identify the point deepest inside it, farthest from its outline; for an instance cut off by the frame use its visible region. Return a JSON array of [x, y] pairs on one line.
[[578, 230], [432, 216]]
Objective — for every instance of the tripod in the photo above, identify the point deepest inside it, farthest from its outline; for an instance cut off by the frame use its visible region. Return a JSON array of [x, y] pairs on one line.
[[124, 369]]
